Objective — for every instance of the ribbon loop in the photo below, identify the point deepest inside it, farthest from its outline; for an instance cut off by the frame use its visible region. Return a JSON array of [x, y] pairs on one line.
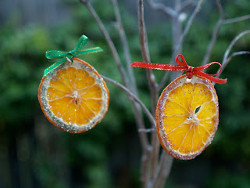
[[183, 66], [78, 50]]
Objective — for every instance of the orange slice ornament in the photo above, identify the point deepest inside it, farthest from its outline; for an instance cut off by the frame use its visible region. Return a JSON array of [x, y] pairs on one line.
[[72, 95], [187, 112]]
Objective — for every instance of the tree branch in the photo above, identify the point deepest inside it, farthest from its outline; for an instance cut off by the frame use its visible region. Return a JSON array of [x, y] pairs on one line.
[[215, 34], [225, 60], [136, 107], [161, 7], [108, 40], [133, 97], [125, 46], [163, 169], [233, 55], [152, 86], [237, 19], [189, 23], [187, 4]]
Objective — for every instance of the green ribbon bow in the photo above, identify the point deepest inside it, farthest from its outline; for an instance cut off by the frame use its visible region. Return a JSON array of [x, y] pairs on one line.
[[56, 54]]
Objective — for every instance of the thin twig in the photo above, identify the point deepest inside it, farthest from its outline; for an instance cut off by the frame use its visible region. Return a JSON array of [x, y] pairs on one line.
[[232, 44], [133, 97], [189, 23], [187, 4], [145, 146], [147, 130], [163, 169], [225, 58], [125, 46], [215, 33], [212, 41], [108, 40], [237, 19], [138, 116], [151, 82], [236, 54], [161, 7]]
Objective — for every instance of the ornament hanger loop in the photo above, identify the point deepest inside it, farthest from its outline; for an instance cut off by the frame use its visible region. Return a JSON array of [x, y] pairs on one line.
[[68, 56]]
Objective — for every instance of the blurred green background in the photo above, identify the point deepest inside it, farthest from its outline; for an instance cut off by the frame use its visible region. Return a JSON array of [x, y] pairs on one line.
[[34, 153]]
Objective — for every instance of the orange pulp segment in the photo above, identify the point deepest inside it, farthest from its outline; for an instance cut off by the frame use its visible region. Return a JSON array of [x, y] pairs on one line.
[[74, 97], [187, 116]]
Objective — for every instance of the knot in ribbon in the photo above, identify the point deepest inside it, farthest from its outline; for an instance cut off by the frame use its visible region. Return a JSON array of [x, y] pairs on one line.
[[64, 55], [183, 66]]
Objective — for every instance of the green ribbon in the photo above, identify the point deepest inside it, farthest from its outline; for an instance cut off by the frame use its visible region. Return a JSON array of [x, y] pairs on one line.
[[63, 55]]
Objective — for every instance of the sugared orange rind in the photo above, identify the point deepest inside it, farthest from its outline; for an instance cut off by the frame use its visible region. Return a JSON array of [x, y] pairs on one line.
[[187, 116], [73, 96]]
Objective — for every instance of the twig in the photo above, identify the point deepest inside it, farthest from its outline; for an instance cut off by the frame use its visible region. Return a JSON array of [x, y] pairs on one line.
[[163, 169], [187, 4], [125, 46], [137, 110], [238, 19], [189, 23], [108, 40], [220, 22], [236, 54], [161, 7], [225, 58], [145, 54], [215, 34], [132, 97], [232, 44], [152, 85], [147, 130]]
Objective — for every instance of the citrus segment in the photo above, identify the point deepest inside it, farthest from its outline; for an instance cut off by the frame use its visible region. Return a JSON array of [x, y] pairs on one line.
[[170, 122], [73, 96], [177, 109], [187, 116]]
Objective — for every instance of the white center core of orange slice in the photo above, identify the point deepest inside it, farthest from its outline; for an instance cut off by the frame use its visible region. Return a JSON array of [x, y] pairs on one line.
[[76, 96], [192, 118]]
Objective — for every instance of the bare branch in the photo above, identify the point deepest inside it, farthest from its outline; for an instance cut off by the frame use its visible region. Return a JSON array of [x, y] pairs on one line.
[[125, 46], [233, 55], [152, 86], [145, 54], [232, 44], [186, 4], [237, 19], [189, 23], [163, 169], [147, 130], [220, 8], [108, 40], [215, 33], [136, 107], [225, 60], [133, 98], [143, 33], [212, 42], [161, 7]]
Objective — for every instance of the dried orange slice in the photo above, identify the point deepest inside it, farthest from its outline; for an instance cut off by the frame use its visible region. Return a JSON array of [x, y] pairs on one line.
[[73, 96], [187, 116]]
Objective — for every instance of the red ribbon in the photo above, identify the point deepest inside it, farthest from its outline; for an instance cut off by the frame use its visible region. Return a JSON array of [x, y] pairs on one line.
[[183, 66]]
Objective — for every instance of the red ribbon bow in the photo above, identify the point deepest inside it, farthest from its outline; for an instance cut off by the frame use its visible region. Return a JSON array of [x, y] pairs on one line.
[[183, 66]]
